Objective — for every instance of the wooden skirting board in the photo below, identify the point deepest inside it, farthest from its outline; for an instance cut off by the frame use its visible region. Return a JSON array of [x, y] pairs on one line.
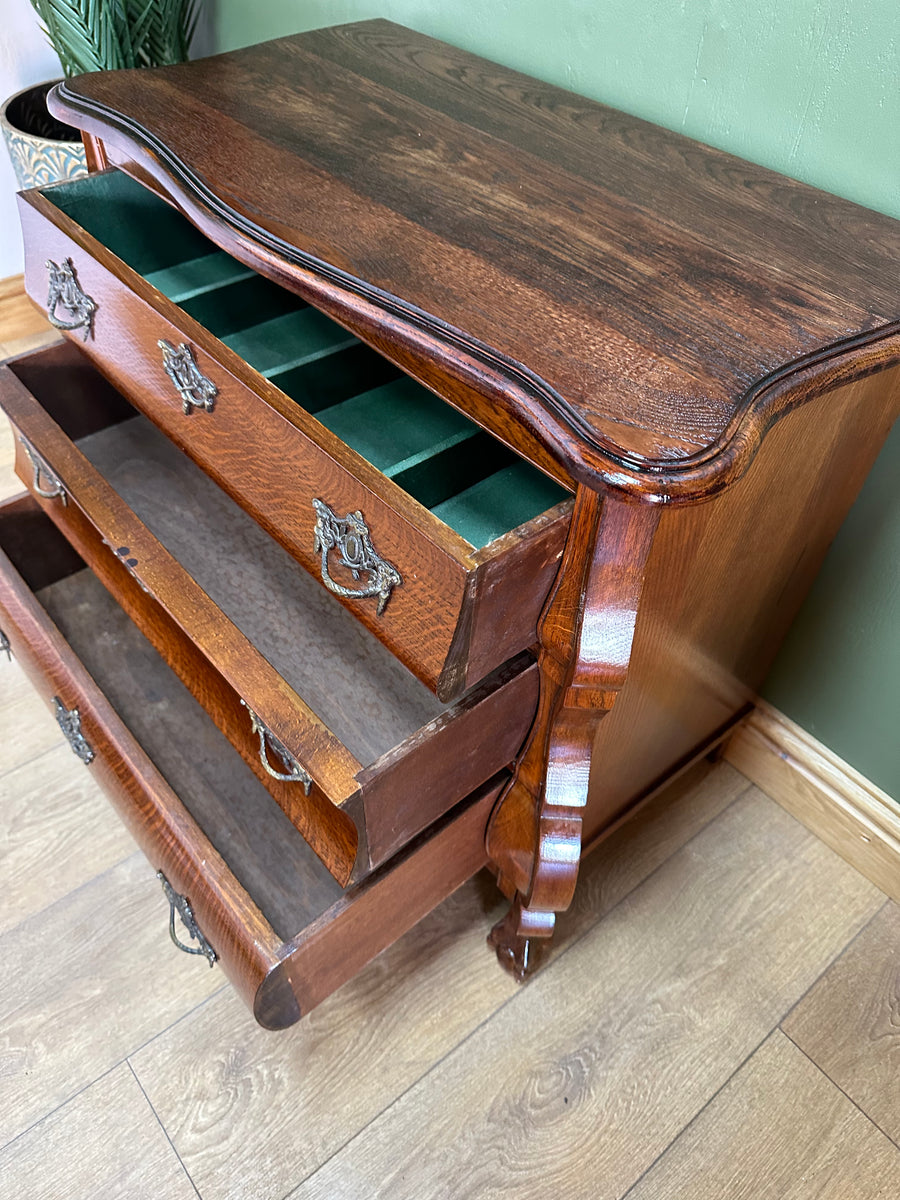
[[843, 808]]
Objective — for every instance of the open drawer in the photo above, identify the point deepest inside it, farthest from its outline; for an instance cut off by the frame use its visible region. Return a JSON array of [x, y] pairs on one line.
[[358, 753], [284, 931], [432, 533]]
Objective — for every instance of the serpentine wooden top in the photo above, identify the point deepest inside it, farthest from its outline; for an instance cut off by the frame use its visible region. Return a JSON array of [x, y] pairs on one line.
[[599, 292]]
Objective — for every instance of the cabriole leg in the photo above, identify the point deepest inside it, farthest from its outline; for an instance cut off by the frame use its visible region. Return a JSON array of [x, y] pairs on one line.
[[585, 634]]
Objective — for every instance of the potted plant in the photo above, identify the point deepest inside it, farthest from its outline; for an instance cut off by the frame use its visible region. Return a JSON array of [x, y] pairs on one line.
[[89, 35]]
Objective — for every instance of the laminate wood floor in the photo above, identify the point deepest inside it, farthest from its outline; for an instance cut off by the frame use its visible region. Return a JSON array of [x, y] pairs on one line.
[[719, 1018]]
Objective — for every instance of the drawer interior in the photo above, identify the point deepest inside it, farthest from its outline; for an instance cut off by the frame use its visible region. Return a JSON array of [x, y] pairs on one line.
[[369, 700], [267, 855], [470, 481]]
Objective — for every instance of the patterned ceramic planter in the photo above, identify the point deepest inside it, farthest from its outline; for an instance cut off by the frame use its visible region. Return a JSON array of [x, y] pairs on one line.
[[43, 150]]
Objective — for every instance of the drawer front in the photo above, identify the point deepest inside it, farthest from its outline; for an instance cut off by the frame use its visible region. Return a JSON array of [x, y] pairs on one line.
[[209, 654], [246, 947], [280, 975], [409, 577], [421, 760], [261, 457]]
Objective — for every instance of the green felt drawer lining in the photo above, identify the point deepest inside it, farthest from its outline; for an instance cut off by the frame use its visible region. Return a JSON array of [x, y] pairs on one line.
[[469, 480], [194, 277]]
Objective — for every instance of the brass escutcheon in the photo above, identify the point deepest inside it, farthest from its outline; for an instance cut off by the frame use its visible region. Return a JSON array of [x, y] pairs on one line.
[[350, 537], [65, 291]]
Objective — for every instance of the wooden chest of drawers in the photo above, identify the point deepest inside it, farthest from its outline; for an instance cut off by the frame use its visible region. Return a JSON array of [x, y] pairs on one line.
[[404, 429]]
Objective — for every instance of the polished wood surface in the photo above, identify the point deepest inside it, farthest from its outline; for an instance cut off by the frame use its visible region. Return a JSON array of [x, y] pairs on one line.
[[273, 458], [283, 931], [260, 612], [94, 153], [172, 611], [246, 445], [716, 395], [723, 582], [373, 915], [586, 635], [266, 854], [152, 812], [641, 306], [245, 1113], [678, 625]]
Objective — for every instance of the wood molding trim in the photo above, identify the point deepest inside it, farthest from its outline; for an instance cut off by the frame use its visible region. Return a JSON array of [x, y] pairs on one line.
[[833, 800]]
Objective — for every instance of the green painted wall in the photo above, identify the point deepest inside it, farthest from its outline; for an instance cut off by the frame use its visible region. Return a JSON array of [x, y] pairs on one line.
[[807, 87]]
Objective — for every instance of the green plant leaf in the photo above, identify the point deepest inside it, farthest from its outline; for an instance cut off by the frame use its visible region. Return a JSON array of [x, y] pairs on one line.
[[97, 35]]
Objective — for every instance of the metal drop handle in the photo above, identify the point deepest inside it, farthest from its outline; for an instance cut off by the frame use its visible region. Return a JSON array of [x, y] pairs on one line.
[[179, 904], [64, 291], [69, 721], [350, 537], [195, 389], [295, 773], [55, 488], [5, 647]]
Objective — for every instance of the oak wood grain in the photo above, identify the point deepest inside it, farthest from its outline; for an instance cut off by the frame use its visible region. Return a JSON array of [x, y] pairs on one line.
[[346, 677], [294, 459], [646, 327], [261, 446], [158, 820], [724, 581], [371, 916], [622, 1042], [656, 355], [241, 865], [94, 153], [257, 841], [490, 627], [780, 1130], [9, 485], [104, 1142], [343, 676], [849, 1025], [207, 651], [586, 633], [415, 782]]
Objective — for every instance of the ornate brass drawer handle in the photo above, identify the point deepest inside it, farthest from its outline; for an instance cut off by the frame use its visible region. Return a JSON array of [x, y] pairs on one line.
[[69, 721], [64, 290], [179, 904], [350, 536], [55, 488], [5, 647], [295, 773], [194, 388]]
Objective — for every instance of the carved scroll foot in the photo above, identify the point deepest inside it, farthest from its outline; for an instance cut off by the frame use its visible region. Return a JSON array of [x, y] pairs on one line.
[[519, 939], [586, 631]]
